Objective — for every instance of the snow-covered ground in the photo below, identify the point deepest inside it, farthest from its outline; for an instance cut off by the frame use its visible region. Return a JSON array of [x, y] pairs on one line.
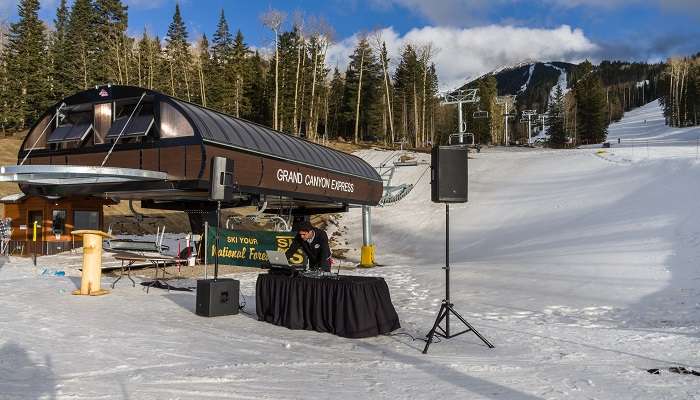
[[646, 125], [581, 267]]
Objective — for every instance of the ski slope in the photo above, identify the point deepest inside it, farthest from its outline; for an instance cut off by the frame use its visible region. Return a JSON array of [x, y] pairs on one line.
[[581, 267], [646, 124]]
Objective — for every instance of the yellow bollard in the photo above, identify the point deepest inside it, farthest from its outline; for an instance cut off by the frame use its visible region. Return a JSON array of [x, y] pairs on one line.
[[34, 244], [92, 262], [367, 256]]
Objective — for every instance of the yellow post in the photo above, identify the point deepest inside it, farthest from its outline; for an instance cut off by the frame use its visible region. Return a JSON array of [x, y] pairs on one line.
[[34, 244], [367, 256], [92, 262], [367, 250]]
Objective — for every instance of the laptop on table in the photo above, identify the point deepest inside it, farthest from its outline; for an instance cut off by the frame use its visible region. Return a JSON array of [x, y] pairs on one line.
[[277, 262]]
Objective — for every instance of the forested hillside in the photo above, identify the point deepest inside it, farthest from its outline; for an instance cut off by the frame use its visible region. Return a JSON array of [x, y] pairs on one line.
[[378, 97], [590, 98], [292, 89]]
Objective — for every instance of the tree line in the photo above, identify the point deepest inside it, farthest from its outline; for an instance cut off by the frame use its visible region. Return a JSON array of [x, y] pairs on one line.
[[292, 89], [680, 88]]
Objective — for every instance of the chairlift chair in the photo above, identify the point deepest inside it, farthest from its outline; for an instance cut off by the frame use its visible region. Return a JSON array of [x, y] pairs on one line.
[[405, 160], [461, 139], [464, 139], [480, 114]]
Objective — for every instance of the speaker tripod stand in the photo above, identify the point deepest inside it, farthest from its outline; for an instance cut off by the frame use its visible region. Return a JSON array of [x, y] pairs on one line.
[[447, 307]]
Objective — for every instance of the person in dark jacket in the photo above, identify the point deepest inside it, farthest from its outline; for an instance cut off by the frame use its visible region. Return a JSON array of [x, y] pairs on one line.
[[314, 243]]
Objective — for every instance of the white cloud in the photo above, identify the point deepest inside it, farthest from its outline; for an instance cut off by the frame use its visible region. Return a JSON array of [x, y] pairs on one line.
[[475, 12], [444, 12], [469, 52]]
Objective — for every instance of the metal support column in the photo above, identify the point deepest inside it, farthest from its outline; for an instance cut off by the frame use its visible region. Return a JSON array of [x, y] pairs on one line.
[[367, 252]]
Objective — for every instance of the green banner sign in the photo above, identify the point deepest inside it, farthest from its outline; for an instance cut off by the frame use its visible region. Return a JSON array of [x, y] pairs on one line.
[[247, 248]]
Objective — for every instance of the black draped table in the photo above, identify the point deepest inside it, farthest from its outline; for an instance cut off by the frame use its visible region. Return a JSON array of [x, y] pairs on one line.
[[349, 306]]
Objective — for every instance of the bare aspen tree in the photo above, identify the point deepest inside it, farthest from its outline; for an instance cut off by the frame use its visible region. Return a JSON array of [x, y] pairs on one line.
[[673, 91], [187, 81], [359, 91], [139, 67], [327, 109], [273, 19], [426, 54], [315, 49], [172, 78], [684, 89], [151, 62], [381, 50], [416, 124], [202, 92], [301, 52], [199, 52], [84, 64], [321, 40], [128, 57]]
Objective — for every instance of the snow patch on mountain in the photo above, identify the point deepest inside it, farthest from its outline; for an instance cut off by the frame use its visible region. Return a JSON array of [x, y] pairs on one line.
[[562, 83], [529, 78]]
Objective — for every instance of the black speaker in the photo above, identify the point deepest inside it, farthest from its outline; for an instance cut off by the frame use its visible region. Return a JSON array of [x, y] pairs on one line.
[[221, 177], [217, 297], [448, 166]]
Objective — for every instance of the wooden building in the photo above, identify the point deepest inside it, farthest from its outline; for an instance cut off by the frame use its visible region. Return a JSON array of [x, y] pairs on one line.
[[55, 219]]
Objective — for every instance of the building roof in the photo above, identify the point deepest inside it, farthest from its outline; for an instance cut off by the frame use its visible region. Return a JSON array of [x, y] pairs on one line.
[[13, 198], [229, 131]]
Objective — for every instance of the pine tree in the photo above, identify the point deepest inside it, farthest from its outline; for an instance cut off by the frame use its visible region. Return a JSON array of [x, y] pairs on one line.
[[286, 72], [362, 109], [222, 93], [258, 92], [60, 72], [335, 104], [112, 45], [591, 110], [178, 57], [27, 72], [406, 80], [240, 75], [4, 81], [143, 61], [483, 127], [555, 119], [161, 67], [432, 100], [82, 43]]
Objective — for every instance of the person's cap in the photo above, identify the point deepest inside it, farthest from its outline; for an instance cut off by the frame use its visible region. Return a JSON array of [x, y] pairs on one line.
[[305, 226]]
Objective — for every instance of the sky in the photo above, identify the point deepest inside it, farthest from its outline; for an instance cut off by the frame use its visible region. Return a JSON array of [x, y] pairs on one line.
[[469, 37]]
